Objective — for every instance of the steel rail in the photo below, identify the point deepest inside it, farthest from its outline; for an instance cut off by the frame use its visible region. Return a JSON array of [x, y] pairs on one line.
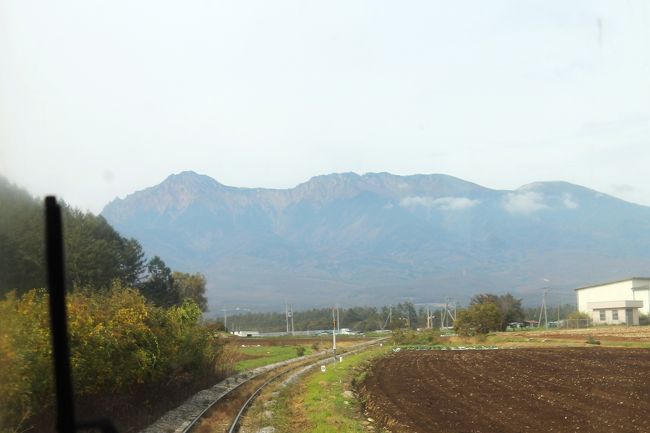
[[234, 427]]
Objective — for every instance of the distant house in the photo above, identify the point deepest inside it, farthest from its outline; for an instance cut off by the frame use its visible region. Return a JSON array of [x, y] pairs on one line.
[[246, 333], [617, 302]]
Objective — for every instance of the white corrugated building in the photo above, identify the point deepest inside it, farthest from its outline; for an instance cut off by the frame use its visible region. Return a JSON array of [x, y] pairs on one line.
[[618, 302]]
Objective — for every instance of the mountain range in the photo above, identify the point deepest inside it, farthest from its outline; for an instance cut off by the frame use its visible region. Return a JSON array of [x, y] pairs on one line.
[[380, 238]]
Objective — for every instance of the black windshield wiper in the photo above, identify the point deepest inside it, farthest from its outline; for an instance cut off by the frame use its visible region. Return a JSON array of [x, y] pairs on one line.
[[65, 419]]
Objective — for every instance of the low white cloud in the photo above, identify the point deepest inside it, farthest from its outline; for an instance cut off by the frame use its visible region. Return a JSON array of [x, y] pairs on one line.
[[455, 203], [568, 201], [415, 201], [443, 203], [524, 202]]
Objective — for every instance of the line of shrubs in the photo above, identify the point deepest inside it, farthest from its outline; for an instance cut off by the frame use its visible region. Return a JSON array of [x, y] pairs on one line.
[[121, 344]]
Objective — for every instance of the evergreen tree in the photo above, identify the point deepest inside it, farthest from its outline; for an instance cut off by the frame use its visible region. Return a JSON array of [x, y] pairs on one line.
[[158, 287], [191, 286], [96, 254]]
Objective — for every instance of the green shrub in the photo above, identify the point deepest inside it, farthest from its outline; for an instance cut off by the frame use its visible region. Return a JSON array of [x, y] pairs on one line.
[[300, 350], [577, 315], [478, 319], [404, 336], [25, 358], [481, 338], [117, 341], [592, 340]]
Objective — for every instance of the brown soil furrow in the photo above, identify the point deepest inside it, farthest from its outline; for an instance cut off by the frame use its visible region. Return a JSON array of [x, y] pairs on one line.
[[536, 390]]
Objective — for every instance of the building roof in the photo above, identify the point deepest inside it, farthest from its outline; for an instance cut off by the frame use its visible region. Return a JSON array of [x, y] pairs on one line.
[[613, 282]]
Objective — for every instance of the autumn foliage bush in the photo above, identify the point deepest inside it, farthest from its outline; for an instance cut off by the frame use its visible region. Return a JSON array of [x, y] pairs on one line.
[[118, 341], [405, 336], [478, 319]]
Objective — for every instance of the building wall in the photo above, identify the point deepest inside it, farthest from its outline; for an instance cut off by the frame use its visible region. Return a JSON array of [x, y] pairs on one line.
[[642, 295], [609, 319], [607, 292], [620, 291]]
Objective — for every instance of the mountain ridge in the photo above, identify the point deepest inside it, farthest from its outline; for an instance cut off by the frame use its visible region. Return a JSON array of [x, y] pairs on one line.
[[375, 236], [319, 179]]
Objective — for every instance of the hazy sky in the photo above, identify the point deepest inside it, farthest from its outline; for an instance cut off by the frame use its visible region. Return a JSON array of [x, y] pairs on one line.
[[102, 98]]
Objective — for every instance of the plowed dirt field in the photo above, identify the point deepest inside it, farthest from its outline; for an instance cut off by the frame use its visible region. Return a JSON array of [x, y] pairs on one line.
[[512, 391]]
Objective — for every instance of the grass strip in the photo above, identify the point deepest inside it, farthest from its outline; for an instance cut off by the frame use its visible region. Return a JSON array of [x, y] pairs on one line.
[[323, 401], [265, 355]]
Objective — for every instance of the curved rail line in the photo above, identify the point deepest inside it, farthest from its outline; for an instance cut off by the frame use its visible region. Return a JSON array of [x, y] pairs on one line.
[[234, 426]]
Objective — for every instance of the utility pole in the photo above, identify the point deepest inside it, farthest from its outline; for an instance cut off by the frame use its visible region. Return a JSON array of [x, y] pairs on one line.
[[288, 312], [334, 333], [448, 313], [542, 310], [428, 318], [338, 320], [388, 317], [225, 315]]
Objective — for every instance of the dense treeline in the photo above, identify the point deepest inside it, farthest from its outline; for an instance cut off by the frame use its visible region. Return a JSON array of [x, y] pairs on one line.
[[120, 345], [506, 308], [553, 312], [360, 319], [96, 254], [136, 327]]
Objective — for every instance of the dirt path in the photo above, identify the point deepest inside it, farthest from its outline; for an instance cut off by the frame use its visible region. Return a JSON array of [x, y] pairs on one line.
[[512, 391]]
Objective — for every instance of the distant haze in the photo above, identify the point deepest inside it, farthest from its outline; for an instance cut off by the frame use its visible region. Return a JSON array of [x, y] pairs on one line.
[[382, 238], [98, 99]]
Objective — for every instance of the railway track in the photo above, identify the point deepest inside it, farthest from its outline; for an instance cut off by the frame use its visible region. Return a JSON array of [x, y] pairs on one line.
[[237, 393]]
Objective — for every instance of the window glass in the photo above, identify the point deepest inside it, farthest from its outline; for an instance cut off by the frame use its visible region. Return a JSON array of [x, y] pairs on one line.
[[236, 169]]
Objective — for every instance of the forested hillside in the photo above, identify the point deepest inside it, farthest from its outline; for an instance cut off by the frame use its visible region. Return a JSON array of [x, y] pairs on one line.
[[133, 323], [96, 254]]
